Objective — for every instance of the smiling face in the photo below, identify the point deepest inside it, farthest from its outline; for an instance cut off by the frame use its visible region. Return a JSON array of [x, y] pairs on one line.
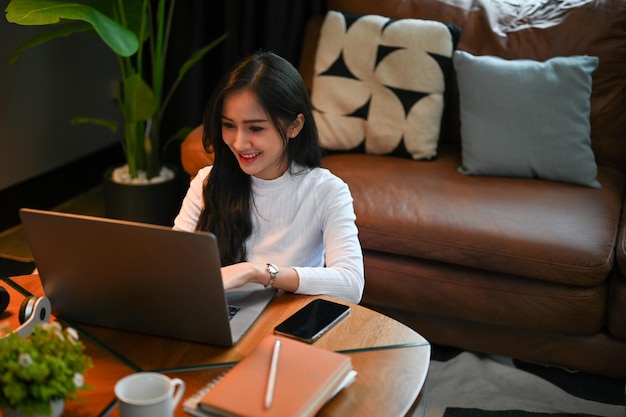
[[252, 136]]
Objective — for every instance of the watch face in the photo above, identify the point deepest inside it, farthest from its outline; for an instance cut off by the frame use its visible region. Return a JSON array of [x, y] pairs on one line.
[[272, 269]]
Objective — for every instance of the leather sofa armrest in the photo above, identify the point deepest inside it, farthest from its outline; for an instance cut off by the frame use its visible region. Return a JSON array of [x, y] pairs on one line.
[[193, 155]]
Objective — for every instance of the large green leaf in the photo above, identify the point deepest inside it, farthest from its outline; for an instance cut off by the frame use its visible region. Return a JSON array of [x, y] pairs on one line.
[[139, 100], [48, 35], [131, 12], [47, 12]]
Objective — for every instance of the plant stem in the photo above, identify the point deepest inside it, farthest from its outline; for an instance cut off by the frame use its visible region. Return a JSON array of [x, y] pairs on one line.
[[142, 33], [125, 67], [159, 54], [161, 37]]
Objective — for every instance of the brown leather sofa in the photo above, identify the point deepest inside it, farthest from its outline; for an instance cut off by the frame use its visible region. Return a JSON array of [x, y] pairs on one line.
[[528, 268]]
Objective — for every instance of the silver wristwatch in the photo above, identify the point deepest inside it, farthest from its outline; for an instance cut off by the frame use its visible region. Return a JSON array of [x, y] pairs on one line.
[[273, 271]]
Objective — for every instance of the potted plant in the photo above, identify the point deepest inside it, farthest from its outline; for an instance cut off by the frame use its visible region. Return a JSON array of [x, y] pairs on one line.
[[39, 372], [137, 31]]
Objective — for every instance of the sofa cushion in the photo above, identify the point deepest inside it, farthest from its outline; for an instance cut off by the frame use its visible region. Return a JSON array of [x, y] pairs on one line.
[[438, 289], [525, 118], [533, 228], [379, 83]]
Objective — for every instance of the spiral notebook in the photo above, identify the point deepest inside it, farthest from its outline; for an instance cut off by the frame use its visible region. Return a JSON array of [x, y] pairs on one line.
[[307, 378]]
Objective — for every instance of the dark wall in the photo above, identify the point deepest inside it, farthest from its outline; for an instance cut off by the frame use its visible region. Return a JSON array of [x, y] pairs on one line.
[[275, 25]]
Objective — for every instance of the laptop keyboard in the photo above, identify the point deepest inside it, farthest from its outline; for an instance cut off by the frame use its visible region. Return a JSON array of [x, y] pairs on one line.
[[232, 310]]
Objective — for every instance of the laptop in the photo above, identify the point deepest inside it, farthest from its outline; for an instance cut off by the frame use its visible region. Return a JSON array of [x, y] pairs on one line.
[[139, 277]]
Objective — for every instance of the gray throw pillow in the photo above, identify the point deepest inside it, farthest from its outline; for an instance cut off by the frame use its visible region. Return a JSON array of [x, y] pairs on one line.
[[525, 118]]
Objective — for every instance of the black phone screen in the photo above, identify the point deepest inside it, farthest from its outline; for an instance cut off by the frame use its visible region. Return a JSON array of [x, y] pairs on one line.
[[313, 320]]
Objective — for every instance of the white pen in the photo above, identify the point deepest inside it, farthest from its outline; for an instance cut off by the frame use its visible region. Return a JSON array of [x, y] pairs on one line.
[[271, 379]]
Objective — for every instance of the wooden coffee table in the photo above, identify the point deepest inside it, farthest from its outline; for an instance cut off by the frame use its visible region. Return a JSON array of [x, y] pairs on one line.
[[391, 359]]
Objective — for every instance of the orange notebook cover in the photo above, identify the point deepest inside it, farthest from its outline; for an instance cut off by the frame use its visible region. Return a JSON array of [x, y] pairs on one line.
[[306, 378]]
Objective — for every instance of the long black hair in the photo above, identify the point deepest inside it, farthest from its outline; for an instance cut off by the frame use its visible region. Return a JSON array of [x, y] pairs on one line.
[[227, 195]]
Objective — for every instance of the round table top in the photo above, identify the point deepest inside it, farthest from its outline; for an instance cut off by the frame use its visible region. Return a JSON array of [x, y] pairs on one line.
[[391, 359]]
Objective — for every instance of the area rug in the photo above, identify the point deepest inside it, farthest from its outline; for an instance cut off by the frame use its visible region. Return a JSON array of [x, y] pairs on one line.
[[466, 384]]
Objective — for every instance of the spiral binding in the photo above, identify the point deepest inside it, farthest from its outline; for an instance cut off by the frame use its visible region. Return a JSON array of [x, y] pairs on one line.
[[190, 405]]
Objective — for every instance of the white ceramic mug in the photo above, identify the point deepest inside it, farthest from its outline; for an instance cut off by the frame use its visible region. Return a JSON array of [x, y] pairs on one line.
[[148, 394]]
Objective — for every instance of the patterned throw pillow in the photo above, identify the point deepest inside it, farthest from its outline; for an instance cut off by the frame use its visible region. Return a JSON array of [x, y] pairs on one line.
[[379, 83]]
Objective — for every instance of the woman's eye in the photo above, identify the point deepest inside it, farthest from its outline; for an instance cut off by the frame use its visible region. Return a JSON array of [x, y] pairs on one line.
[[256, 128], [227, 125]]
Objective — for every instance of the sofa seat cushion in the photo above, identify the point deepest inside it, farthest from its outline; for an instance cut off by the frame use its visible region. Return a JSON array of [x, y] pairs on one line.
[[533, 228], [438, 289]]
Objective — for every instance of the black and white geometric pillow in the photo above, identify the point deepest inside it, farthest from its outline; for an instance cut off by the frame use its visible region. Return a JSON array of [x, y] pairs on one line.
[[379, 83]]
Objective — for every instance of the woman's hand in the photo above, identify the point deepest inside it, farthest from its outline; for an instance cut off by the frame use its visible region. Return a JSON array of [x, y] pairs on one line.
[[237, 275]]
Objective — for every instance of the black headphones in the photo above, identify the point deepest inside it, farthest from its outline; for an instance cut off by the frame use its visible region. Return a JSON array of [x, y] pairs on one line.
[[34, 310], [4, 299]]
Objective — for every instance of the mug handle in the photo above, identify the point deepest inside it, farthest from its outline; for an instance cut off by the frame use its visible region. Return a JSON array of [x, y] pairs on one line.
[[179, 386]]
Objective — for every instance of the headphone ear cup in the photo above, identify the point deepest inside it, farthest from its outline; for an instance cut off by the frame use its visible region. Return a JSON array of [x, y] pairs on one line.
[[27, 308], [5, 298], [33, 311]]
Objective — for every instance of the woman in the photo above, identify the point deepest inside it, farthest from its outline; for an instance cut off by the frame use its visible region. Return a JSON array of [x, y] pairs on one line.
[[280, 219]]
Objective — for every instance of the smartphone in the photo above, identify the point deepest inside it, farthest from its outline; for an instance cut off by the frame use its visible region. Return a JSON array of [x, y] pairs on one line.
[[313, 320]]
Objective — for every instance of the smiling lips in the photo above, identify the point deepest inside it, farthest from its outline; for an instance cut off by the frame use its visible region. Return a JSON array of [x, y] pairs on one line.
[[249, 157]]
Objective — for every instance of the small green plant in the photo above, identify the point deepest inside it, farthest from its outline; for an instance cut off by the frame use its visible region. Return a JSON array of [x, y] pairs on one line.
[[137, 31], [50, 364]]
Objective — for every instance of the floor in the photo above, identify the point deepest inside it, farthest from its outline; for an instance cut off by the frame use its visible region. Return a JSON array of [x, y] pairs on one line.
[[13, 243]]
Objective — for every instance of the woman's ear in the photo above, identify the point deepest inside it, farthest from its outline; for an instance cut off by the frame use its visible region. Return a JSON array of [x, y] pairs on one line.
[[296, 126]]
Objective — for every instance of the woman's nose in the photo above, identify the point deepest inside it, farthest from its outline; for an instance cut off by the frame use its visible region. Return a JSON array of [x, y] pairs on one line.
[[239, 138]]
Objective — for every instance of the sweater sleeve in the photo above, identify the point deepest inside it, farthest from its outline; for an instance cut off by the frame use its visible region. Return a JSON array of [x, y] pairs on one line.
[[343, 274], [192, 205]]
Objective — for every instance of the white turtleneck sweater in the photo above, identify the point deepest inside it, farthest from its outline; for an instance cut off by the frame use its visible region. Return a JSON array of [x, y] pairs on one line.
[[304, 220]]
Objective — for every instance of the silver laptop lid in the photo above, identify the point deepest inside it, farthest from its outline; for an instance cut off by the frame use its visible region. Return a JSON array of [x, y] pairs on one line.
[[137, 277]]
